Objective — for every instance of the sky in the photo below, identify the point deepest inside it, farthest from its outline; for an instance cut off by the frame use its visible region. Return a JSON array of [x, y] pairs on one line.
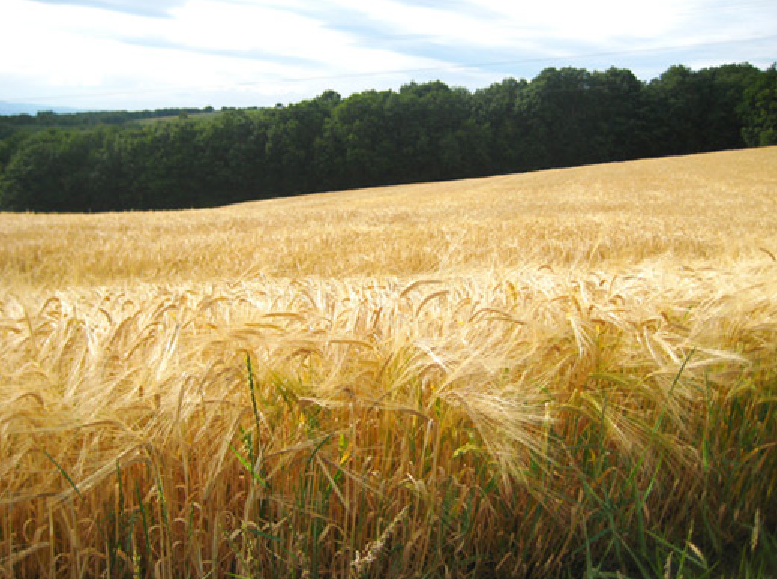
[[147, 54]]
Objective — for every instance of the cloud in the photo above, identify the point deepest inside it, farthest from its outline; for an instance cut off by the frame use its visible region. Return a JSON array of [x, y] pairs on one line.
[[253, 54], [445, 38], [231, 51], [150, 8]]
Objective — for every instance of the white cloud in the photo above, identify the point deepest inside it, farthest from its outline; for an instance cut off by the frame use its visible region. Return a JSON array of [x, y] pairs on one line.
[[234, 26], [595, 22], [208, 49]]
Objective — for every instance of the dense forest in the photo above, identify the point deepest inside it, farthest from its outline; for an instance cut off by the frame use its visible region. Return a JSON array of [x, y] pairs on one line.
[[109, 161]]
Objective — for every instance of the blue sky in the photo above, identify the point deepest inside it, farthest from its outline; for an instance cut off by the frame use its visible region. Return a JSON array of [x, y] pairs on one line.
[[136, 54]]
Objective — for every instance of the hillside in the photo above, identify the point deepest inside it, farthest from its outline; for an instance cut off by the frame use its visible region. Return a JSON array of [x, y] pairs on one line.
[[97, 162], [562, 373], [713, 209]]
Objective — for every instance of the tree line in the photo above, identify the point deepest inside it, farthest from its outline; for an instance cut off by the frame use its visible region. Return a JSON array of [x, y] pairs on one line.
[[422, 132]]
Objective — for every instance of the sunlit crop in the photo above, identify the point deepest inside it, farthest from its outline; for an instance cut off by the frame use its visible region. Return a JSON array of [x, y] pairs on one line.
[[551, 374]]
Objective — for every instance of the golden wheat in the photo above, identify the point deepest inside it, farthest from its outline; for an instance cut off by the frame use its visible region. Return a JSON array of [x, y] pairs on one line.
[[408, 345], [712, 208]]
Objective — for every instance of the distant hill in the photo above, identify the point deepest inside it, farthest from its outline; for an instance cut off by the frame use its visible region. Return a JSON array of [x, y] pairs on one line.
[[7, 108]]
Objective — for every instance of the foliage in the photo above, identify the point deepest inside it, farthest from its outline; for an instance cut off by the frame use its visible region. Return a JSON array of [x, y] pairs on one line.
[[423, 132], [759, 108]]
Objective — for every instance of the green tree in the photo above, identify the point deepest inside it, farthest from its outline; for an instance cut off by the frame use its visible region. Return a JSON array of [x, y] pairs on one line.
[[758, 110], [619, 127], [496, 111], [50, 172], [423, 132], [233, 149], [291, 139], [724, 123], [557, 108], [355, 144]]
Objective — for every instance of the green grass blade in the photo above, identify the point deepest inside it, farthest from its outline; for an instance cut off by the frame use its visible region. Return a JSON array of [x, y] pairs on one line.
[[64, 474]]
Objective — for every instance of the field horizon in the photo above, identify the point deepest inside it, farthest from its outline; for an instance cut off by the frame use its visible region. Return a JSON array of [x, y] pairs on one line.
[[563, 373], [632, 211]]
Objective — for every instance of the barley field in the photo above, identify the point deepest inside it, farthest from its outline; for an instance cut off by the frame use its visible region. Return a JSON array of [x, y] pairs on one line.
[[568, 373]]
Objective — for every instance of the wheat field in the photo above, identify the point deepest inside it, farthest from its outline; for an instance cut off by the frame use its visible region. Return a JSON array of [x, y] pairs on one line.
[[559, 373]]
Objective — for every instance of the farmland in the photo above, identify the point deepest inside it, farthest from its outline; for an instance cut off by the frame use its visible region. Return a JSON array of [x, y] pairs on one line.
[[548, 374]]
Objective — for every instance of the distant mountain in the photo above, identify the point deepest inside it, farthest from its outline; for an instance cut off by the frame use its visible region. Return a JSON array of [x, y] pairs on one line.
[[7, 108]]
